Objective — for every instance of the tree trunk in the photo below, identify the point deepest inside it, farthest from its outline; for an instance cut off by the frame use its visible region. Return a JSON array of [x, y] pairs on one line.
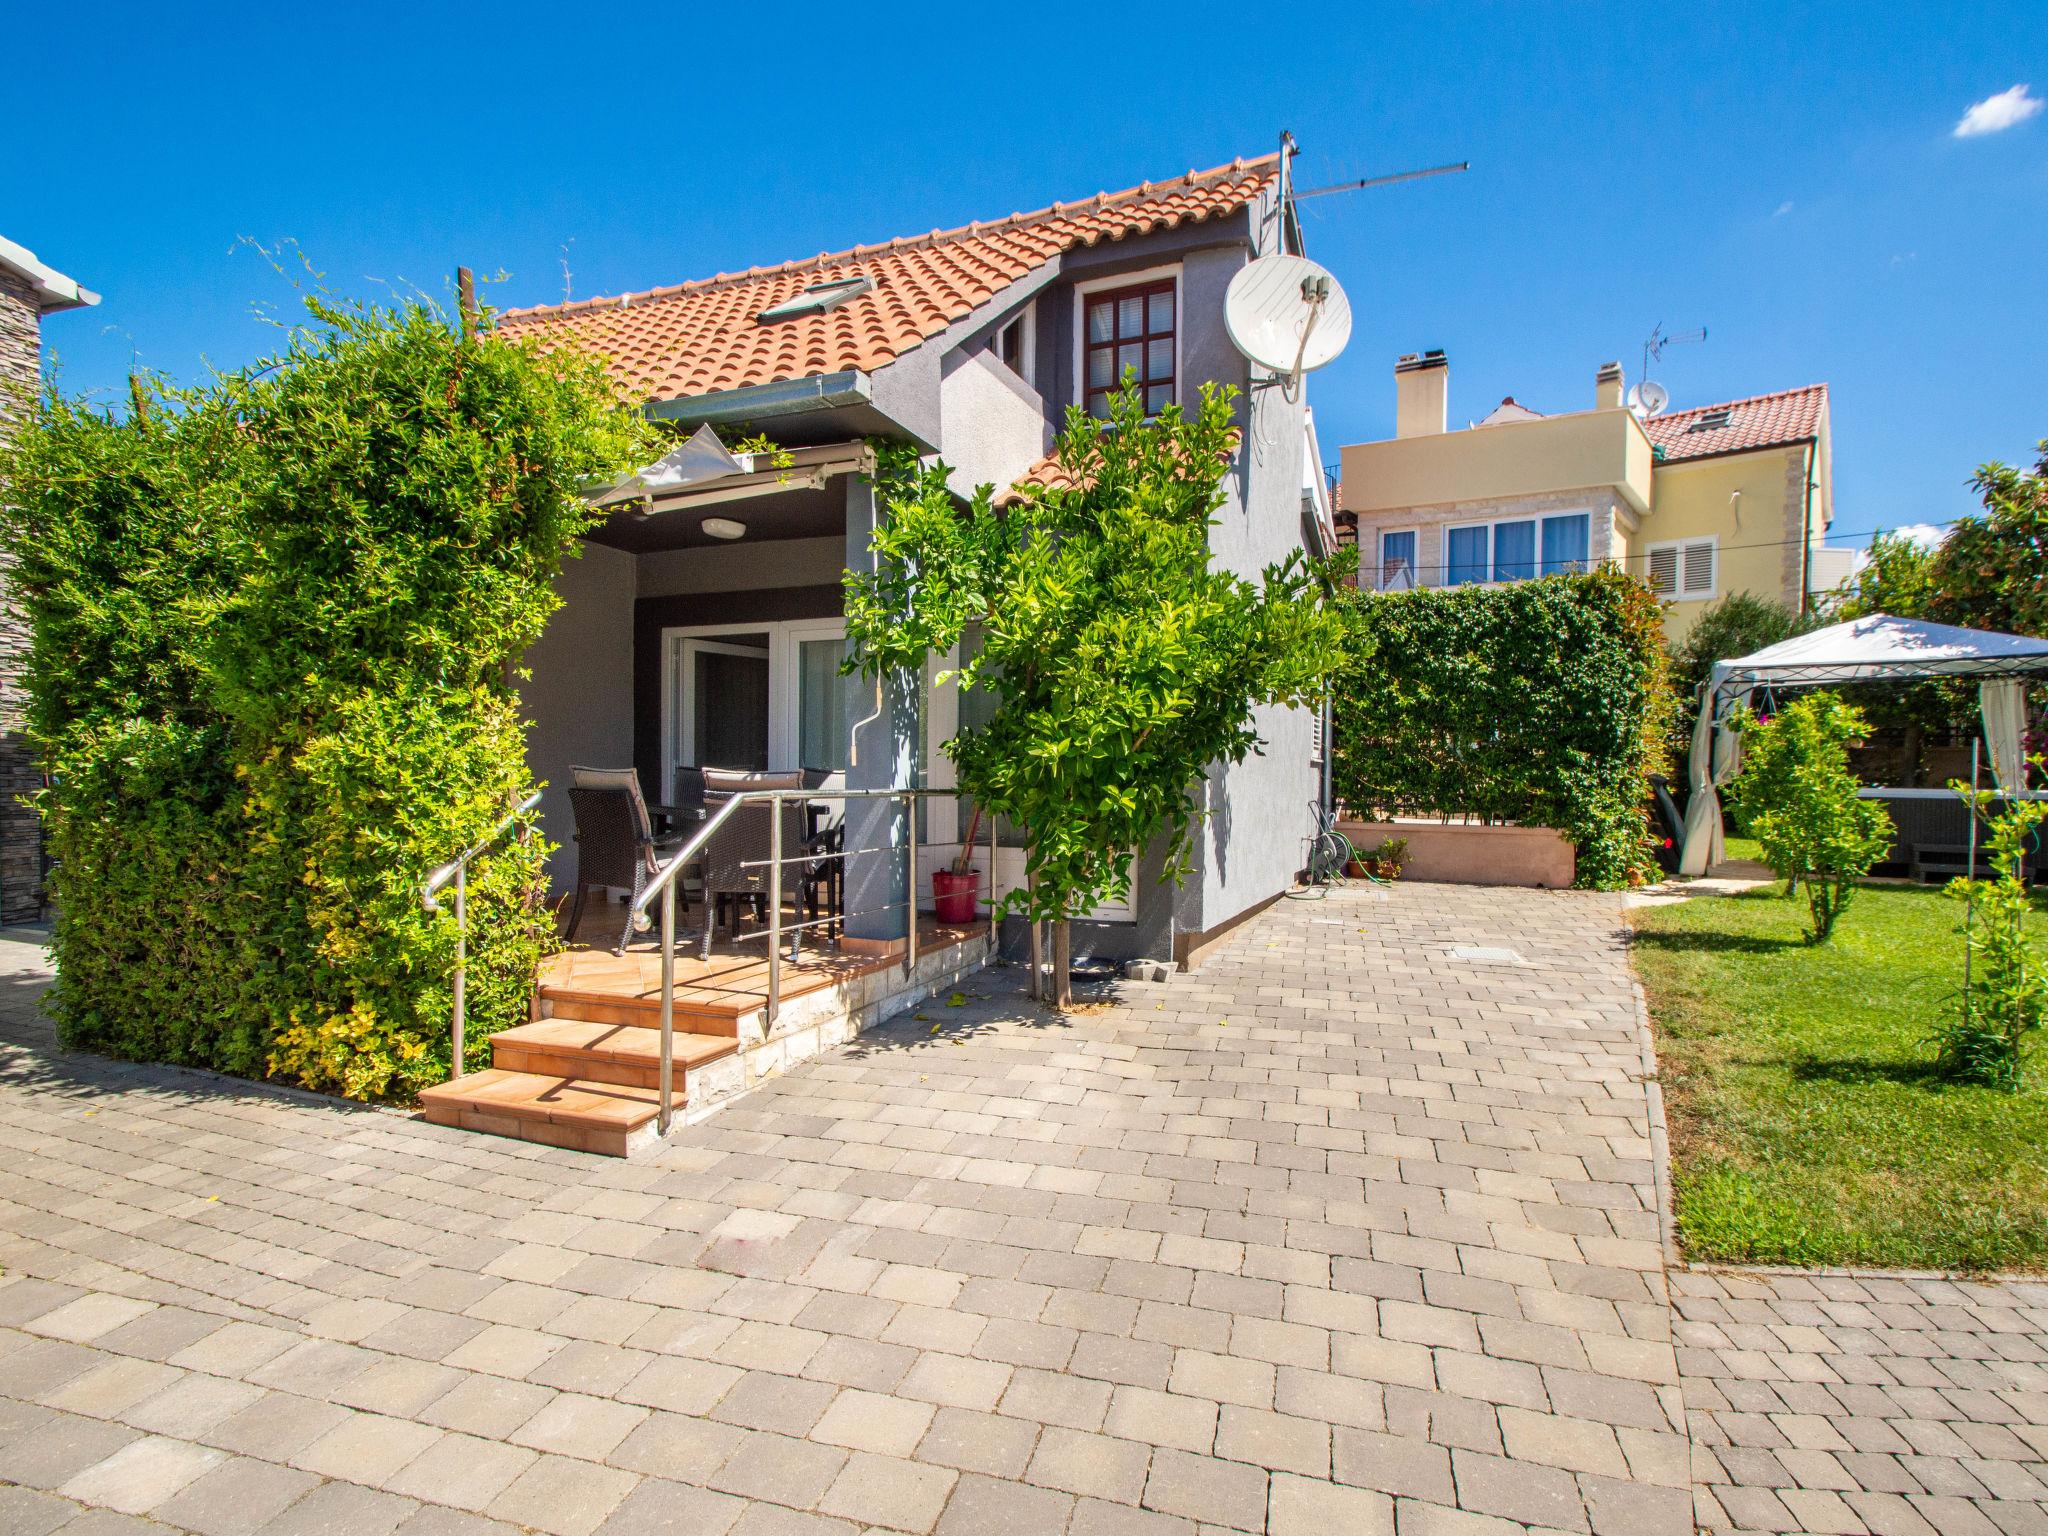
[[1914, 740], [1031, 917], [1062, 964]]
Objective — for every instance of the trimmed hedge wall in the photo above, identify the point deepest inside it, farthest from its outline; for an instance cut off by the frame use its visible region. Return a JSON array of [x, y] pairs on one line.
[[1540, 702], [273, 626]]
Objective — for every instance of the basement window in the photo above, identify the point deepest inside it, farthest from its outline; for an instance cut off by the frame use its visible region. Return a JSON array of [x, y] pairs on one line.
[[819, 297]]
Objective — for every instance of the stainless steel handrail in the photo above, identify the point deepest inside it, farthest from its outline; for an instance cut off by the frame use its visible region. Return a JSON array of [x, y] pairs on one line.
[[457, 869], [663, 887]]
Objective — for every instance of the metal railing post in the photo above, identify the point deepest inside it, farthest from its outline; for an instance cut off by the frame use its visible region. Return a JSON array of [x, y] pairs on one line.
[[668, 1002], [775, 908], [461, 969], [910, 881], [992, 881]]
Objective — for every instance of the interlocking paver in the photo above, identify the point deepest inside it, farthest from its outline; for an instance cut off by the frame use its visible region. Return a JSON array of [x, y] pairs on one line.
[[1340, 1232], [1827, 1420]]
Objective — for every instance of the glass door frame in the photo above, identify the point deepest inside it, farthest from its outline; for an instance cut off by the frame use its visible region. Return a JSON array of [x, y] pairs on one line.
[[785, 637]]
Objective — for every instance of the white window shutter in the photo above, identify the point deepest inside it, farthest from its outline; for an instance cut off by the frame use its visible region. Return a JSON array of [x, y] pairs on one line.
[[1664, 571], [1699, 568]]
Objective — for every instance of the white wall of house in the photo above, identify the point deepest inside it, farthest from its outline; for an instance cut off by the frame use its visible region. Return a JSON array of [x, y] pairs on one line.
[[580, 694], [994, 423], [1260, 809]]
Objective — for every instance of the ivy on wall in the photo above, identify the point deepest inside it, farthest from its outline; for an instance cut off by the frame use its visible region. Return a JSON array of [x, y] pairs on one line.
[[274, 622], [1540, 702]]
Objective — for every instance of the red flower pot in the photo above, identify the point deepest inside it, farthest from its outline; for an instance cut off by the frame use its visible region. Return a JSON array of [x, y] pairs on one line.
[[953, 896]]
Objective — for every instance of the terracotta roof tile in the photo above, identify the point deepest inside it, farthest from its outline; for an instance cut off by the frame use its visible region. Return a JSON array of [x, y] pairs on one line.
[[1762, 421], [700, 337]]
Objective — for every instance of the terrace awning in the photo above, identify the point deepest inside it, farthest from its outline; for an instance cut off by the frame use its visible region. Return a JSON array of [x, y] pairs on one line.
[[1876, 648]]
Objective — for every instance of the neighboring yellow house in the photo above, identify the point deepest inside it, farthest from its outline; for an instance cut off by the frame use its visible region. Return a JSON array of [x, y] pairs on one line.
[[1700, 503]]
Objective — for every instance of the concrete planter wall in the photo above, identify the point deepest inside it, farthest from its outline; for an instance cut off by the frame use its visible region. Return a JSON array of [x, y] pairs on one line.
[[1458, 854]]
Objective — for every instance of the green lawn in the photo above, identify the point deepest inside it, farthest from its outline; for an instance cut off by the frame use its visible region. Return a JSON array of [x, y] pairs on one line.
[[1807, 1126]]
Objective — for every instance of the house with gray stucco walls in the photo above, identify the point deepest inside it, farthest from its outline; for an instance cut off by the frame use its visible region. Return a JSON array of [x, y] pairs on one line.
[[703, 626], [29, 290]]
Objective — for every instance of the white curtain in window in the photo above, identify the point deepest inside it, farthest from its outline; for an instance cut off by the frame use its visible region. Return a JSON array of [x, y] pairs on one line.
[[821, 705], [2004, 703]]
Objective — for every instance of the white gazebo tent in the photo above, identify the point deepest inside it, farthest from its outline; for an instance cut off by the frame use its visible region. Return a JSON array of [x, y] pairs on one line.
[[1876, 648]]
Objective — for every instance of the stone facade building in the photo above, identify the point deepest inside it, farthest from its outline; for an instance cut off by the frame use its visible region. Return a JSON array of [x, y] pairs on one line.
[[29, 290]]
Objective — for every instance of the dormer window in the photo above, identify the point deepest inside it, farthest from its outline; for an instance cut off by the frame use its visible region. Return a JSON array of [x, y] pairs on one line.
[[1129, 329], [819, 297]]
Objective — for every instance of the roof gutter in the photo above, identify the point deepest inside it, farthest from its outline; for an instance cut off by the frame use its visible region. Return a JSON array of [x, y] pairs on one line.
[[757, 402], [53, 290]]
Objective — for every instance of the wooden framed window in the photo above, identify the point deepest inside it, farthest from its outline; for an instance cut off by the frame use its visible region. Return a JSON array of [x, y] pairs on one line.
[[1133, 330]]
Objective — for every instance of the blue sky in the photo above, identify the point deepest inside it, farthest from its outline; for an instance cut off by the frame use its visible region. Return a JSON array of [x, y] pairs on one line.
[[1786, 176]]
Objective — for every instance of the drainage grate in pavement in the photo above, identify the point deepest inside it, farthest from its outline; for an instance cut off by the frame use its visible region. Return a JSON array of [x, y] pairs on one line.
[[1486, 954]]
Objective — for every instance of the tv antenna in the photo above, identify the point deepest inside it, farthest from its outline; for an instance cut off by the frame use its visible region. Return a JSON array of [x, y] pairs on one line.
[[1649, 397], [1657, 341], [1384, 181]]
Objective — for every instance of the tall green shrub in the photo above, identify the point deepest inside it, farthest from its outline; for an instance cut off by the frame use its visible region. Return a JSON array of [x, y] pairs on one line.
[[274, 624], [1542, 702], [1796, 794], [2004, 999]]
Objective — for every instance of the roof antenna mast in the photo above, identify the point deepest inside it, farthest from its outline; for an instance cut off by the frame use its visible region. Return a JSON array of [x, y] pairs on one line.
[[1657, 341]]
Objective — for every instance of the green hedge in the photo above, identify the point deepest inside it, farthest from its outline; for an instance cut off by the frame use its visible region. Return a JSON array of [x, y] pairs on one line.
[[274, 622], [1541, 702]]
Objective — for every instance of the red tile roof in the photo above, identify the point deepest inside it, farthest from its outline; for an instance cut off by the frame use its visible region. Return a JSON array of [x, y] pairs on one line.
[[1762, 421], [701, 337]]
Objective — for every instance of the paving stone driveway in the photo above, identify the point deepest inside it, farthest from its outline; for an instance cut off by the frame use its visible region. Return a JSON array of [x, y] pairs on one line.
[[1353, 1231], [1878, 1403], [1351, 1227]]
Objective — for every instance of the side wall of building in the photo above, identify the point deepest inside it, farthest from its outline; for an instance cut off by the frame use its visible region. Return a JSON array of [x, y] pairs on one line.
[[1753, 505], [21, 844], [580, 696]]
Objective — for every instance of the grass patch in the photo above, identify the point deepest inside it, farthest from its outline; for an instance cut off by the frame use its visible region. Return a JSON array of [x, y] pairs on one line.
[[1807, 1124]]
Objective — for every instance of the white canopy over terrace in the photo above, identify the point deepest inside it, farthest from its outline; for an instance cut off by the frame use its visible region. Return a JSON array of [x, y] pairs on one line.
[[1876, 648]]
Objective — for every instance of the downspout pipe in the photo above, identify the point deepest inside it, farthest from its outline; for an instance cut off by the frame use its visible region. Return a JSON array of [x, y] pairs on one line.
[[1806, 529]]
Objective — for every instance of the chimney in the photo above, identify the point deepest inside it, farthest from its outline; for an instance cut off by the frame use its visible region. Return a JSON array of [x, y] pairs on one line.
[[1607, 388], [1421, 394]]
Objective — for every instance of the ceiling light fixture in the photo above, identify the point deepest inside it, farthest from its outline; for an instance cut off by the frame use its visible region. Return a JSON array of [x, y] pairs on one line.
[[724, 528]]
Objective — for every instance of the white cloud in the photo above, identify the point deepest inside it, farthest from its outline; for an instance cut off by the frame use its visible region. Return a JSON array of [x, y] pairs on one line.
[[1995, 114], [1783, 208]]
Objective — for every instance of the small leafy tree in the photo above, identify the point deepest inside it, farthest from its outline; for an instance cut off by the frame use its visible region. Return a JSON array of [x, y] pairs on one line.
[[1991, 571], [2005, 994], [1896, 577], [1122, 664], [1799, 797]]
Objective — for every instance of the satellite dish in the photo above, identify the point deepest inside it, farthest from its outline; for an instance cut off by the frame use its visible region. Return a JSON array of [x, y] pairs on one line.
[[1648, 398], [1287, 314]]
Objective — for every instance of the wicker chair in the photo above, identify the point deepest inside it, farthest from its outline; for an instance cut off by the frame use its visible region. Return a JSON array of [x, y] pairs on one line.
[[615, 842], [689, 789], [736, 865]]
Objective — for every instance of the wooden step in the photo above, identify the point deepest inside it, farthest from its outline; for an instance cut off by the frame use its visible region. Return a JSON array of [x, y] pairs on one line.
[[693, 1016], [602, 1052], [560, 1111]]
